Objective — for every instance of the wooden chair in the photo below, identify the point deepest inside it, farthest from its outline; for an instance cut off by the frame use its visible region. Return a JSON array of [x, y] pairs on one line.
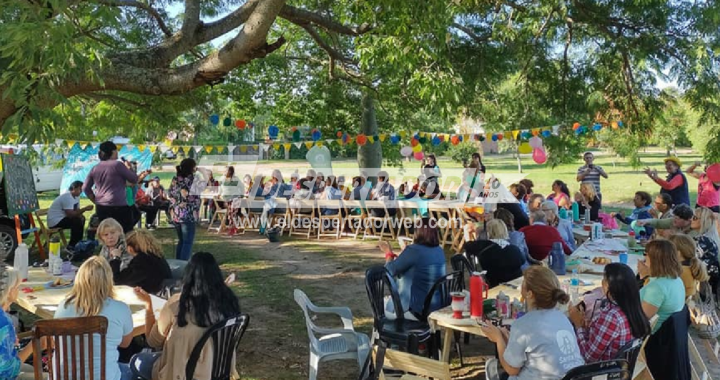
[[302, 222], [253, 212], [323, 205], [282, 212], [443, 214], [463, 220], [409, 216], [237, 218], [386, 220], [219, 214], [354, 216], [422, 367], [70, 336], [46, 232]]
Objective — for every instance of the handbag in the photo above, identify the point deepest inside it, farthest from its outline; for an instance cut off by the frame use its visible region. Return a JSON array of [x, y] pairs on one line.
[[703, 313]]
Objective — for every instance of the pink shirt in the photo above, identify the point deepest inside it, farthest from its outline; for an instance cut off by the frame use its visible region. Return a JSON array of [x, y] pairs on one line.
[[708, 194]]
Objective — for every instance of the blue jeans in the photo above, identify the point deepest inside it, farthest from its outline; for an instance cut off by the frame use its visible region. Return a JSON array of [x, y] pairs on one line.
[[125, 372], [186, 238], [142, 364]]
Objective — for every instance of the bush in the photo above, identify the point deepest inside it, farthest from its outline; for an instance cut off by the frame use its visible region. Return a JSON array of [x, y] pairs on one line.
[[462, 151]]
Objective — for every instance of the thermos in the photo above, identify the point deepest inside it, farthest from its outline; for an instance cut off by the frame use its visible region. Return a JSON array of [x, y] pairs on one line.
[[631, 239], [21, 261], [477, 297], [557, 259], [587, 215], [55, 262], [575, 212]]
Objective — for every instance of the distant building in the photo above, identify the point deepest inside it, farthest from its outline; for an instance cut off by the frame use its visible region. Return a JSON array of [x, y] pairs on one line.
[[471, 127]]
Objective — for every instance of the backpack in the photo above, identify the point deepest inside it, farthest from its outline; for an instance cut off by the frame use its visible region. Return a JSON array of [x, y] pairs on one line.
[[703, 313]]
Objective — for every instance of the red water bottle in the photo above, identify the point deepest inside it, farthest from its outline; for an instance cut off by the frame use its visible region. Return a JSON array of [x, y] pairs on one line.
[[477, 286]]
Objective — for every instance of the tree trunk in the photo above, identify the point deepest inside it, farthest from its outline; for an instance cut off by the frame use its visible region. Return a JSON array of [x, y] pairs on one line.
[[519, 162], [370, 154]]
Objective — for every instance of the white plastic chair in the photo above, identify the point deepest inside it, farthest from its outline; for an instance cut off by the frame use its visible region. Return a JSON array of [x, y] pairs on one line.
[[332, 344]]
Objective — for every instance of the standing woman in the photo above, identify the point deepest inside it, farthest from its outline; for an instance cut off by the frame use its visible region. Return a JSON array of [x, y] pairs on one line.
[[616, 321], [477, 158], [430, 169], [704, 228], [560, 194], [708, 191], [184, 207], [675, 184], [105, 186], [542, 344]]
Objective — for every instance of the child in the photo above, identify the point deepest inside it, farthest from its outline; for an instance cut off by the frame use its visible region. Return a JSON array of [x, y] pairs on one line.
[[642, 203], [112, 238]]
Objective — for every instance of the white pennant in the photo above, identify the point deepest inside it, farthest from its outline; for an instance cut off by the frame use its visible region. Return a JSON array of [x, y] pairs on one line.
[[298, 145], [197, 148], [59, 142]]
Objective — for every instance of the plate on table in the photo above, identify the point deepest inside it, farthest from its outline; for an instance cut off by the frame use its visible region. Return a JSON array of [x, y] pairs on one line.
[[62, 284]]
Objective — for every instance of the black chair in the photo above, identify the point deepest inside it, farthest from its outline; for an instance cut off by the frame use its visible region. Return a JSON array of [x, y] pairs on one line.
[[610, 369], [463, 265], [666, 351], [225, 336], [630, 352], [401, 332], [442, 288]]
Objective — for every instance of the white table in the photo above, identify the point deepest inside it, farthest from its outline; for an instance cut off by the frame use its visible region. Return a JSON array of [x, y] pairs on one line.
[[606, 248], [43, 303], [581, 235]]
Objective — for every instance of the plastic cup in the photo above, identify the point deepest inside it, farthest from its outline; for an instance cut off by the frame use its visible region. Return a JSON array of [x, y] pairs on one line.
[[623, 258]]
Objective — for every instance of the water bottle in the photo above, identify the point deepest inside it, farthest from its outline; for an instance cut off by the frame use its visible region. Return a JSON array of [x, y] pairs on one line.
[[562, 213], [477, 297], [587, 214], [21, 261], [54, 260], [575, 212], [631, 239], [574, 288], [557, 259]]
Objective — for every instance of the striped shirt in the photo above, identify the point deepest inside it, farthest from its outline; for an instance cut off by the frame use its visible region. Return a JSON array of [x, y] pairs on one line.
[[593, 177]]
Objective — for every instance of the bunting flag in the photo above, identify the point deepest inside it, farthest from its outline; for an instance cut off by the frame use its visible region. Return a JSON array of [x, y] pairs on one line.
[[319, 144], [153, 148], [308, 144], [197, 148], [276, 146], [287, 146], [243, 148], [297, 145], [141, 147], [219, 148], [71, 143], [208, 149], [119, 147], [382, 137], [186, 149]]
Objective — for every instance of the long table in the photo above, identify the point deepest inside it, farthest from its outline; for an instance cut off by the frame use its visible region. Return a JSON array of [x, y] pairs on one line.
[[43, 303]]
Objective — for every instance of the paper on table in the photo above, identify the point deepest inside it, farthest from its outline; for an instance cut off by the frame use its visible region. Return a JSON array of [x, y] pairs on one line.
[[606, 245]]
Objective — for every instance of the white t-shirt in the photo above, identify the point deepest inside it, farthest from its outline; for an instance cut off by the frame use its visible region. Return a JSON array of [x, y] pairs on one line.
[[56, 213], [119, 324], [544, 345]]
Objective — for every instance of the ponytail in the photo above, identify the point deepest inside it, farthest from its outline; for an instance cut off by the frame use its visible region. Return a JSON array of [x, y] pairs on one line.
[[544, 285], [699, 270], [559, 296], [687, 248]]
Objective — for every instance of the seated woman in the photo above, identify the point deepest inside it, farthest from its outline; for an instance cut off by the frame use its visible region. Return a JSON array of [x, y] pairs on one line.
[[693, 269], [560, 195], [519, 191], [12, 358], [664, 293], [542, 344], [563, 226], [587, 199], [516, 238], [331, 192], [148, 269], [704, 228], [616, 321], [642, 202], [502, 260], [230, 187], [112, 239], [91, 295], [205, 299], [417, 267]]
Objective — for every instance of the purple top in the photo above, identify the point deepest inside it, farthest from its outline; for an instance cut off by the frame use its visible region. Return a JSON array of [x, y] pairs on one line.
[[109, 178]]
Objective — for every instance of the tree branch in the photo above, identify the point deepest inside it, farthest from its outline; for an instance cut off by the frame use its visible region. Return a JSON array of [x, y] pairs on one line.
[[470, 33], [136, 4], [114, 98], [629, 81], [191, 19], [333, 53], [299, 16]]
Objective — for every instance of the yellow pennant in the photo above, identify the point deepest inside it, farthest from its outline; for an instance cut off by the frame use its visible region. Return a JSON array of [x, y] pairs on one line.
[[71, 143], [186, 149], [175, 149], [422, 134], [515, 134], [168, 142], [287, 146], [208, 148], [371, 139], [141, 148], [243, 148], [219, 148], [339, 141], [403, 134], [308, 144], [276, 146], [319, 144], [119, 147], [153, 148], [382, 137], [255, 147]]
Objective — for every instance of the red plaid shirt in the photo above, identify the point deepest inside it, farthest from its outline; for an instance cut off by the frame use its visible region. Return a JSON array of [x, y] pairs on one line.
[[608, 332]]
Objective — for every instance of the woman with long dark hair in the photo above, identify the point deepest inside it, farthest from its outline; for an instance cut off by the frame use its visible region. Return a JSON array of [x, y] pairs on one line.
[[184, 206], [616, 320], [560, 194], [205, 300]]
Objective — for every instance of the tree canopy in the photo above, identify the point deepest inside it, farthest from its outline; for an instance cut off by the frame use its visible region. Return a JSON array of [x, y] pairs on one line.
[[140, 67]]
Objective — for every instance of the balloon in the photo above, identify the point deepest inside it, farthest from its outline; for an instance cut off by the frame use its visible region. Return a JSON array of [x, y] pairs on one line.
[[419, 156], [535, 132], [713, 172], [494, 137], [576, 126], [441, 137], [293, 129], [273, 131], [539, 156], [482, 137], [416, 136], [227, 121], [316, 135], [620, 124], [414, 141], [436, 141], [460, 138], [406, 151], [417, 148], [546, 133], [578, 131], [526, 135], [525, 148], [615, 125], [454, 140], [345, 138], [361, 139], [296, 135], [214, 119], [535, 142], [597, 127], [423, 140], [394, 139], [339, 134], [500, 136], [240, 124]]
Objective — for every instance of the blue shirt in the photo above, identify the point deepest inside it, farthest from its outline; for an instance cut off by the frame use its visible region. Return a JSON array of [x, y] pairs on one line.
[[517, 239], [119, 324], [565, 229], [9, 360], [417, 268]]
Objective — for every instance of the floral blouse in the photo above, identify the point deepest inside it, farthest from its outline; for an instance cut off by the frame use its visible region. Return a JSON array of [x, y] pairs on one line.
[[9, 360], [184, 203], [708, 252]]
